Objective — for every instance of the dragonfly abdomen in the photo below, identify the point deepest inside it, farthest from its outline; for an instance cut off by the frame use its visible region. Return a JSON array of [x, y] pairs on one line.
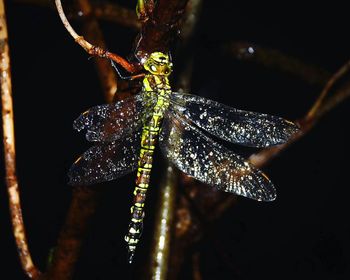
[[160, 86], [148, 141]]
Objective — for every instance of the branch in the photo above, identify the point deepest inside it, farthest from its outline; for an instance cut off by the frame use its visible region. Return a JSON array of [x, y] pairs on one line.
[[164, 220], [10, 152], [338, 97], [91, 49], [339, 74]]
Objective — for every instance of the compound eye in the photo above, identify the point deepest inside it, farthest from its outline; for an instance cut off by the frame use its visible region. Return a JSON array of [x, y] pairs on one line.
[[153, 68]]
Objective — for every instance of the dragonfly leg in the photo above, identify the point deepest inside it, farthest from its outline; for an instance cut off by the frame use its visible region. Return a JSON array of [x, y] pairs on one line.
[[130, 78]]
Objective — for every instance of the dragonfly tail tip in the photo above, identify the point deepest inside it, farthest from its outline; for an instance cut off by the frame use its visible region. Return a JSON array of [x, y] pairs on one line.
[[131, 255]]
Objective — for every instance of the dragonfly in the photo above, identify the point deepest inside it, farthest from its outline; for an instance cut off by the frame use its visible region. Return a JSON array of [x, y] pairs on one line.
[[126, 133]]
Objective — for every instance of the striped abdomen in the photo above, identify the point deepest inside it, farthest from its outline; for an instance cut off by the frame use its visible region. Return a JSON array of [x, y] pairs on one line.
[[148, 141]]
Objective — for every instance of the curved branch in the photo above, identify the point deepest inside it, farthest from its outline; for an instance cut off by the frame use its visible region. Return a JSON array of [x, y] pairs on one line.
[[10, 152], [336, 77], [91, 49]]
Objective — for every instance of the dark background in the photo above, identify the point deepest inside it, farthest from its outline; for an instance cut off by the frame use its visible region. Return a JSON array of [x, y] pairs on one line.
[[304, 233]]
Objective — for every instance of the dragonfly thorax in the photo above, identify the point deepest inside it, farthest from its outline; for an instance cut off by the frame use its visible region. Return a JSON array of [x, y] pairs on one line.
[[158, 64]]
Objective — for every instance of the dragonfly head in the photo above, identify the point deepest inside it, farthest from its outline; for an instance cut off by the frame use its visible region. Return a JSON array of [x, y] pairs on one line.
[[158, 63]]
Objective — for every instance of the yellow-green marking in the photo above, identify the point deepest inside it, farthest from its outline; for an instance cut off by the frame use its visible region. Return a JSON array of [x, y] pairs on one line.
[[156, 81]]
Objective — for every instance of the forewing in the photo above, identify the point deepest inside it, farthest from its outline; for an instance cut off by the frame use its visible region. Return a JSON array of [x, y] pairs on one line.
[[110, 122], [200, 157], [233, 125], [106, 161]]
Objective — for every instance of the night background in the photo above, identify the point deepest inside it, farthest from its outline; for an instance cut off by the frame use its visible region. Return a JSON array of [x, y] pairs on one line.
[[304, 233]]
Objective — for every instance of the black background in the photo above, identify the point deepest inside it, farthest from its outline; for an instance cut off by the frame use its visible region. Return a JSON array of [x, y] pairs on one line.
[[304, 233]]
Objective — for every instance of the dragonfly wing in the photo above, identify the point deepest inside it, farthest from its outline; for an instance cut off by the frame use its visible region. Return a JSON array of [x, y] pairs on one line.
[[200, 157], [106, 161], [233, 125], [110, 122]]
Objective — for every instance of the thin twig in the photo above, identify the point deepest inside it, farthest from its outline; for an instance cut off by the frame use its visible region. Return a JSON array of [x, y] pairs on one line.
[[10, 152], [339, 74], [339, 96], [91, 49], [91, 29], [162, 233], [278, 60]]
